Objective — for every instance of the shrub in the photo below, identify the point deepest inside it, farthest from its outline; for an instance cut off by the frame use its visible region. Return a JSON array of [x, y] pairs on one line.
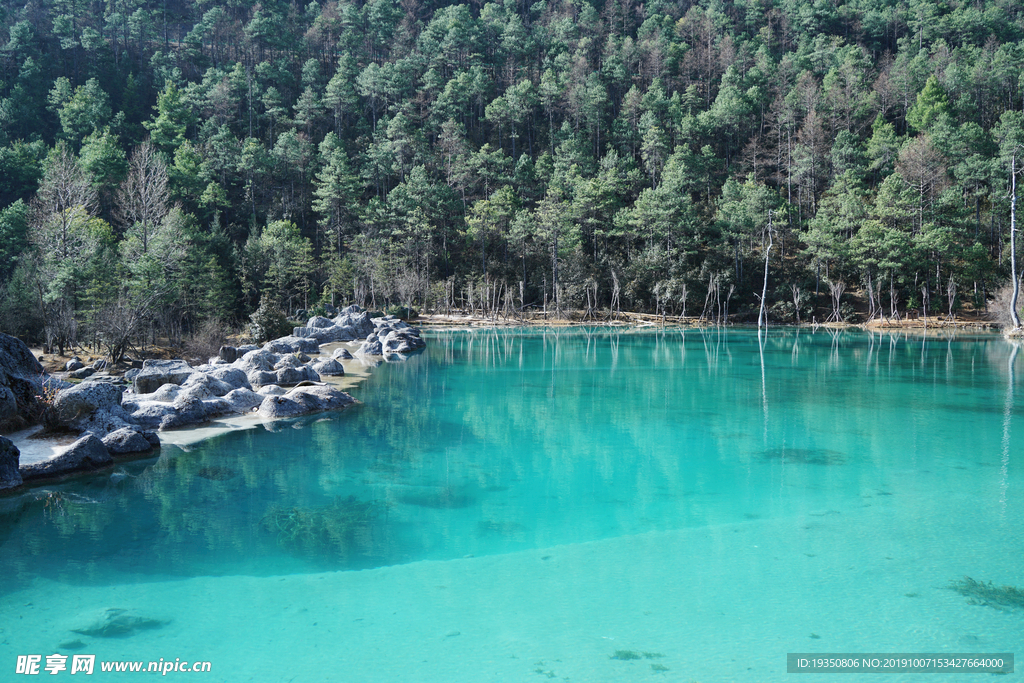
[[268, 322]]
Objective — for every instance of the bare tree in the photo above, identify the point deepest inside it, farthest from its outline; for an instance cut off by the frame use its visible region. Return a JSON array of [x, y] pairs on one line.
[[60, 233], [143, 198]]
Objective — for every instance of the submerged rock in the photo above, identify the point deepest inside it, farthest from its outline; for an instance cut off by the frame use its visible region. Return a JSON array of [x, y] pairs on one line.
[[10, 456], [117, 623], [85, 455]]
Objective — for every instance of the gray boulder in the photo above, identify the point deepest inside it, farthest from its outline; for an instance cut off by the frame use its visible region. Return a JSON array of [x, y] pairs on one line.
[[188, 410], [232, 376], [10, 477], [261, 378], [78, 403], [327, 367], [292, 344], [165, 392], [370, 348], [156, 373], [100, 364], [243, 400], [343, 354], [20, 383], [290, 360], [303, 400], [82, 373], [319, 321], [229, 354], [401, 341], [127, 440], [105, 420], [290, 375], [217, 406], [258, 359], [202, 385], [74, 364], [349, 310], [151, 414], [271, 390], [84, 455]]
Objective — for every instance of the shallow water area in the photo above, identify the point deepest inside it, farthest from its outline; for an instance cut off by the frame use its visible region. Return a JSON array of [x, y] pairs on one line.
[[580, 504]]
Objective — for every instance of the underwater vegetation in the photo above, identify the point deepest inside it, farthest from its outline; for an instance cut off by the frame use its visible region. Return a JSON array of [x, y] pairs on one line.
[[343, 528], [217, 473], [980, 593], [504, 529], [805, 456], [443, 498], [628, 655]]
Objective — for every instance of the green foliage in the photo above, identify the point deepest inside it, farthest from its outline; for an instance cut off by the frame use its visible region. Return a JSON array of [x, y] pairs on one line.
[[267, 322], [549, 145]]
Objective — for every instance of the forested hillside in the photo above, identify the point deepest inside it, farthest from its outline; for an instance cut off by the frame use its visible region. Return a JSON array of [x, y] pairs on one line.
[[165, 163]]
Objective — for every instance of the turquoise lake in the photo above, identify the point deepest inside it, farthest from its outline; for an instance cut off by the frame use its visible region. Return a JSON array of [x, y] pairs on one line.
[[531, 504]]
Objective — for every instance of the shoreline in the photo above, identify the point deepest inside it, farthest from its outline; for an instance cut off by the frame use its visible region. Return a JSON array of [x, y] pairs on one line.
[[35, 450], [648, 320]]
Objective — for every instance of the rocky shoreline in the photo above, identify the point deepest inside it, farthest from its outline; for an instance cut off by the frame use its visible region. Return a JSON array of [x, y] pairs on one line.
[[122, 416]]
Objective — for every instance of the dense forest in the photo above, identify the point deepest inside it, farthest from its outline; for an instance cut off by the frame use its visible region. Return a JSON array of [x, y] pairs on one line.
[[167, 164]]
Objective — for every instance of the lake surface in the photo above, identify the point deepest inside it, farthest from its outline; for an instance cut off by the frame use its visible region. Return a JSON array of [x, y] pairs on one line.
[[579, 504]]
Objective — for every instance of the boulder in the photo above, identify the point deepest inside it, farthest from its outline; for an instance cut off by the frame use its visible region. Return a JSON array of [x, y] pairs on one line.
[[74, 364], [156, 373], [202, 385], [303, 400], [292, 344], [343, 354], [78, 403], [217, 406], [151, 414], [20, 383], [260, 378], [290, 360], [258, 359], [289, 375], [85, 455], [318, 321], [271, 390], [229, 354], [188, 410], [127, 440], [348, 310], [370, 348], [327, 367], [10, 477], [100, 364], [82, 373], [234, 377], [243, 400], [105, 420]]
